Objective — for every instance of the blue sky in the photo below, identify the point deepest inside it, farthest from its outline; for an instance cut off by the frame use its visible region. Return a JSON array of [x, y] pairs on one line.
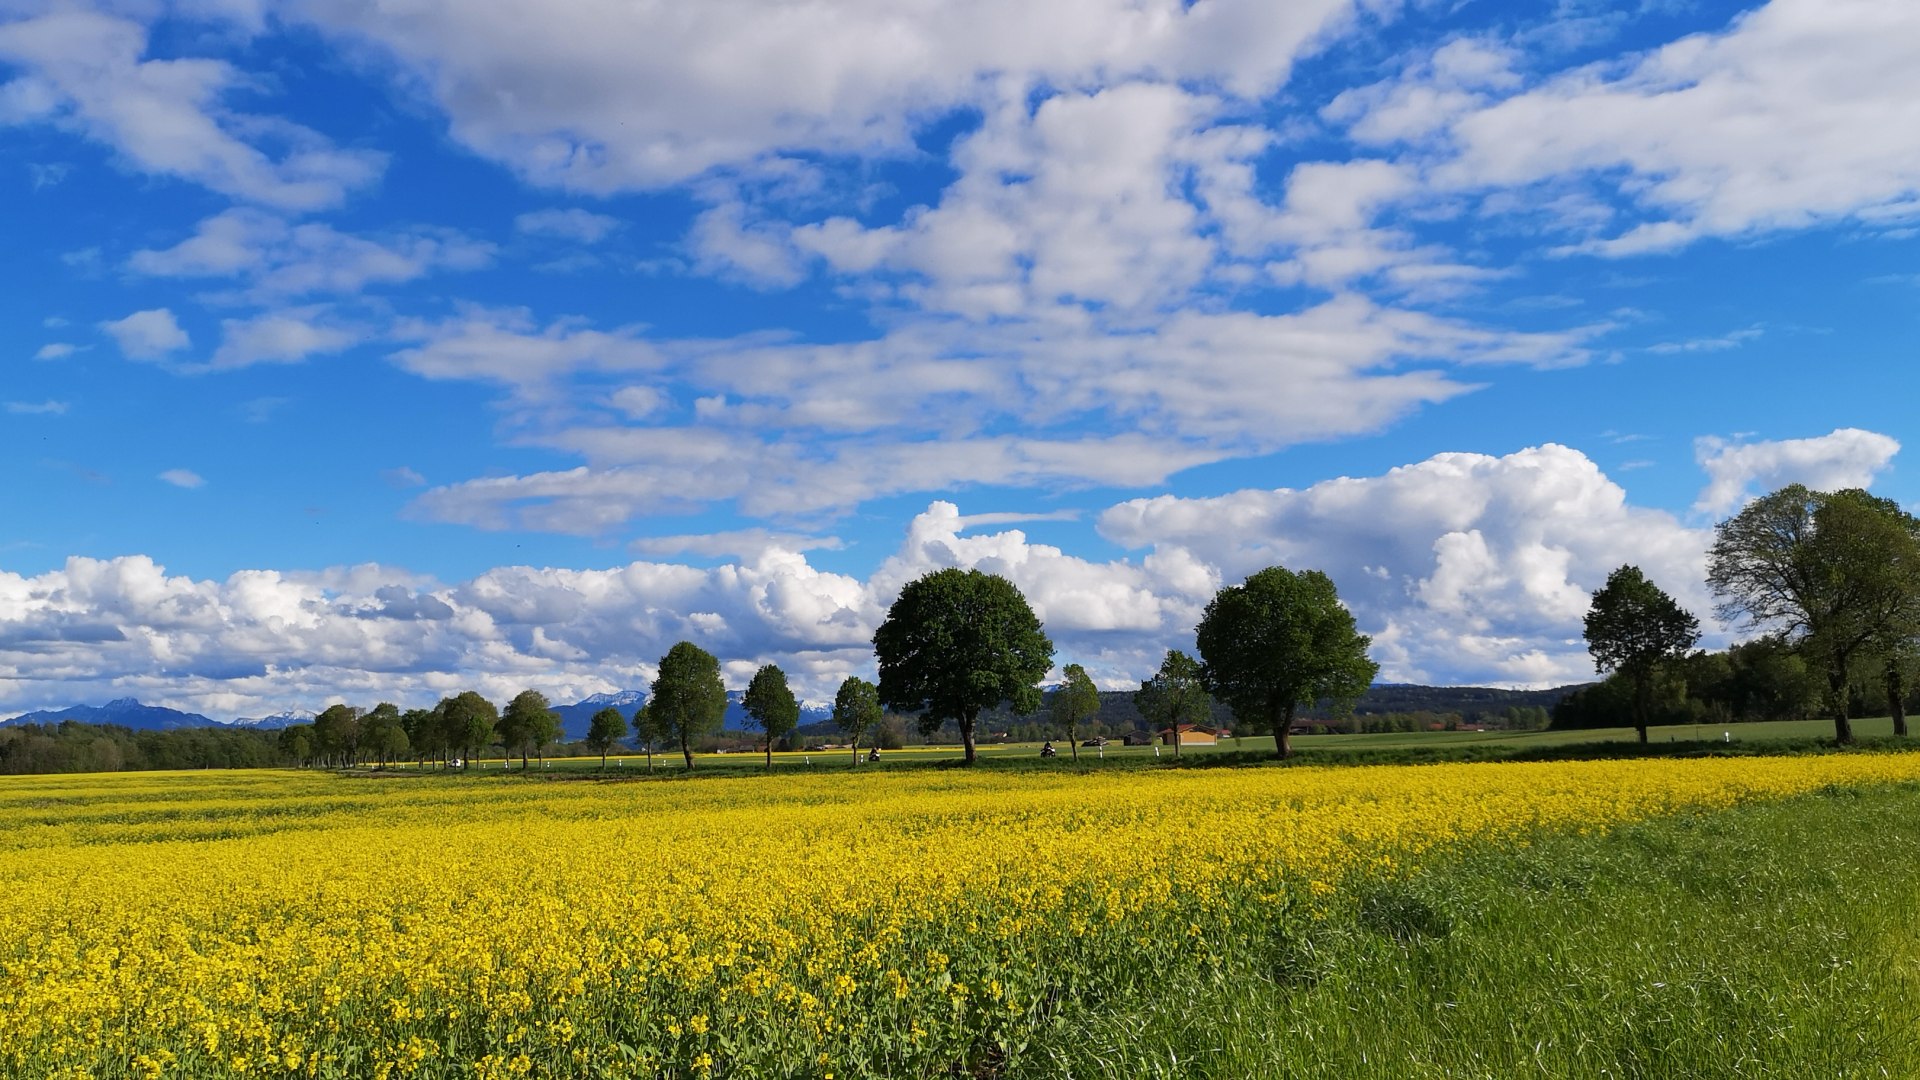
[[361, 351]]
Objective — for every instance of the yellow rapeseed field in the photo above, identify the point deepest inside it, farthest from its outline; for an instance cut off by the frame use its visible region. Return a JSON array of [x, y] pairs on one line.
[[292, 924]]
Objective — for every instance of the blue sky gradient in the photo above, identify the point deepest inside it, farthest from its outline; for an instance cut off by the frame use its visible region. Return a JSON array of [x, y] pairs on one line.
[[372, 351]]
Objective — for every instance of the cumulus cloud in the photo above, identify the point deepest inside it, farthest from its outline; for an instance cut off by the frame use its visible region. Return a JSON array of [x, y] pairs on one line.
[[85, 71], [58, 350], [280, 337], [148, 335], [1737, 471], [1464, 567]]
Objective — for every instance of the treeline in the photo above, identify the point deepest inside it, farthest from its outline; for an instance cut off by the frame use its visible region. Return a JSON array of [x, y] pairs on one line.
[[72, 746]]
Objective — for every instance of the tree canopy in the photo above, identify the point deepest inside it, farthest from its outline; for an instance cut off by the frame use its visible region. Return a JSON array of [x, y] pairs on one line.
[[1173, 696], [688, 699], [956, 642], [856, 710], [470, 720], [1836, 572], [1279, 641], [1633, 627], [1076, 702], [606, 728], [771, 704], [529, 724]]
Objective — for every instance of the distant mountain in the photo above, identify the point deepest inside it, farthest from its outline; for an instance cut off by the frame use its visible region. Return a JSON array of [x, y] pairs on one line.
[[277, 721], [577, 717], [126, 712]]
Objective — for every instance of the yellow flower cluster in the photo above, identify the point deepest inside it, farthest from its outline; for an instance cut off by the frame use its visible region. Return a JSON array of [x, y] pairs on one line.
[[287, 924]]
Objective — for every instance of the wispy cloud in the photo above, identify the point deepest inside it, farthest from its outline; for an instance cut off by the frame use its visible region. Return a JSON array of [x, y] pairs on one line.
[[183, 478]]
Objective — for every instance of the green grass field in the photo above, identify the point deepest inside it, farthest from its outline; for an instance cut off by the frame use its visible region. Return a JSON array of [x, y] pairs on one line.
[[1774, 736]]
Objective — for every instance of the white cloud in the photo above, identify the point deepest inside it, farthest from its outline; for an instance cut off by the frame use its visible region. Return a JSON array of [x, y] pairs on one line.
[[58, 350], [573, 223], [280, 337], [40, 408], [1801, 112], [279, 258], [183, 478], [747, 543], [509, 348], [147, 335], [1738, 471], [1464, 567], [84, 70], [597, 96]]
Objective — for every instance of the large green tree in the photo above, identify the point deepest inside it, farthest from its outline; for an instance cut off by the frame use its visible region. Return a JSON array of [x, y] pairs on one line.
[[770, 701], [1175, 695], [381, 735], [606, 728], [426, 733], [1838, 573], [688, 699], [957, 642], [336, 732], [856, 710], [470, 720], [1074, 703], [528, 725], [1278, 641], [1634, 628], [646, 732]]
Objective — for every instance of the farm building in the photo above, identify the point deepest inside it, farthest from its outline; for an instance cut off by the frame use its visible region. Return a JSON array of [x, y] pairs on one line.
[[1189, 736]]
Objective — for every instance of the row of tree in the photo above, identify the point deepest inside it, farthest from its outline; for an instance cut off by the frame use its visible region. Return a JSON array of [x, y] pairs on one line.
[[955, 644], [1831, 580]]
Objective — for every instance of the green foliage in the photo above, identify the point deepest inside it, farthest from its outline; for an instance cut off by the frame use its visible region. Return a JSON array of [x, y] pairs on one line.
[[957, 642], [470, 720], [426, 732], [605, 729], [528, 725], [1278, 642], [381, 733], [1633, 628], [1837, 573], [1076, 702], [687, 699], [856, 710], [336, 733], [771, 704], [1175, 695]]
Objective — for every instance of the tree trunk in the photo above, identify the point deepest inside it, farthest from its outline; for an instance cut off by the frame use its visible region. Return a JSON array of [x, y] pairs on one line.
[[1896, 698], [1283, 733], [1837, 690], [966, 738], [1176, 738], [856, 752], [686, 750], [769, 751], [523, 758], [1073, 742], [603, 761], [1642, 701]]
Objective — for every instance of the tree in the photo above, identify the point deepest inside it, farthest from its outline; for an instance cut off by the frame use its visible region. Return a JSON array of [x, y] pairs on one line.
[[856, 710], [336, 732], [1634, 628], [606, 728], [1279, 641], [426, 733], [378, 730], [688, 699], [529, 724], [956, 642], [470, 721], [1837, 573], [771, 703], [1175, 695], [645, 731], [296, 742], [1077, 701]]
